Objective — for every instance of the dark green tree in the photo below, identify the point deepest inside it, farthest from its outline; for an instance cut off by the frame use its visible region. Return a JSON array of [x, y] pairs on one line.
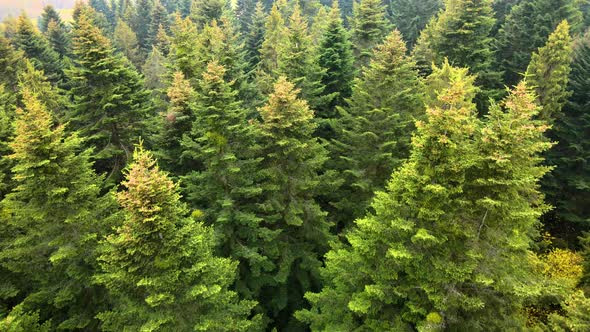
[[410, 17], [55, 216], [158, 21], [141, 23], [527, 28], [159, 266], [205, 11], [462, 34], [447, 247], [255, 36], [10, 65], [297, 229], [110, 103], [336, 61], [59, 38], [373, 135], [369, 27], [37, 49], [49, 14], [125, 41], [6, 134]]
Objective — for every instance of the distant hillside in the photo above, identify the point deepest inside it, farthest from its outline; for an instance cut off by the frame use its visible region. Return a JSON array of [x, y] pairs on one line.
[[33, 8]]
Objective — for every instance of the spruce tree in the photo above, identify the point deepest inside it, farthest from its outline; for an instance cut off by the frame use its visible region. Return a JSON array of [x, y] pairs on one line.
[[298, 61], [159, 20], [255, 36], [274, 40], [245, 11], [54, 216], [461, 34], [141, 23], [59, 38], [410, 17], [125, 41], [159, 266], [162, 42], [205, 11], [336, 61], [567, 185], [549, 71], [527, 27], [447, 247], [37, 49], [10, 65], [369, 27], [373, 135], [183, 51], [110, 103], [154, 70], [6, 134], [292, 161], [49, 14]]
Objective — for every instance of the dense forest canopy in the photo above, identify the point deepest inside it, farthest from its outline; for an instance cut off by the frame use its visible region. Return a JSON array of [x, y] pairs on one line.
[[296, 165]]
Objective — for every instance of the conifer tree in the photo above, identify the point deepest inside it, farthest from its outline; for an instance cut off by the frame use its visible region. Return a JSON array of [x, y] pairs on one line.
[[162, 42], [298, 231], [159, 20], [49, 14], [255, 36], [159, 266], [110, 104], [298, 62], [53, 98], [461, 34], [59, 38], [336, 61], [410, 17], [125, 41], [6, 134], [55, 216], [183, 51], [10, 65], [154, 70], [37, 49], [319, 25], [369, 27], [527, 27], [205, 11], [375, 130], [447, 247], [245, 11], [549, 71], [566, 187], [274, 40], [141, 23]]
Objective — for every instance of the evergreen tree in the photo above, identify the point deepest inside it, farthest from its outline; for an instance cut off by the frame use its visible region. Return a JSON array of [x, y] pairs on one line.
[[461, 34], [141, 23], [205, 11], [527, 27], [59, 39], [10, 65], [567, 185], [53, 98], [298, 233], [6, 134], [447, 245], [375, 130], [154, 70], [110, 103], [159, 266], [183, 49], [275, 37], [369, 27], [37, 49], [245, 11], [159, 20], [255, 36], [49, 14], [298, 62], [410, 17], [162, 42], [336, 61], [175, 123], [125, 41], [54, 217], [549, 71], [103, 9]]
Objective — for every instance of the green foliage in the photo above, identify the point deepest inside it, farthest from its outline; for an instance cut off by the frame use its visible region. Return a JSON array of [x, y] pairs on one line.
[[275, 37], [159, 266], [568, 186], [549, 70], [59, 38], [369, 27], [19, 321], [298, 233], [205, 11], [6, 133], [411, 16], [373, 135], [37, 49], [55, 216], [110, 103], [527, 27], [159, 21], [576, 316], [448, 243], [461, 34], [49, 14], [10, 65], [255, 36], [336, 61], [126, 42]]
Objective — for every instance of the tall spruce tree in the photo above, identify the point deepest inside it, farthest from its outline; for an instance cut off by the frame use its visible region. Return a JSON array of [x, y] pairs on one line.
[[10, 65], [54, 216], [110, 103], [183, 48], [549, 70], [125, 41], [205, 11], [567, 185], [159, 266], [141, 23], [336, 61], [255, 36], [298, 231], [410, 17], [6, 134], [373, 135], [369, 27], [159, 20], [59, 38], [527, 27], [461, 34], [275, 37], [49, 14], [298, 62], [37, 49], [448, 244]]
